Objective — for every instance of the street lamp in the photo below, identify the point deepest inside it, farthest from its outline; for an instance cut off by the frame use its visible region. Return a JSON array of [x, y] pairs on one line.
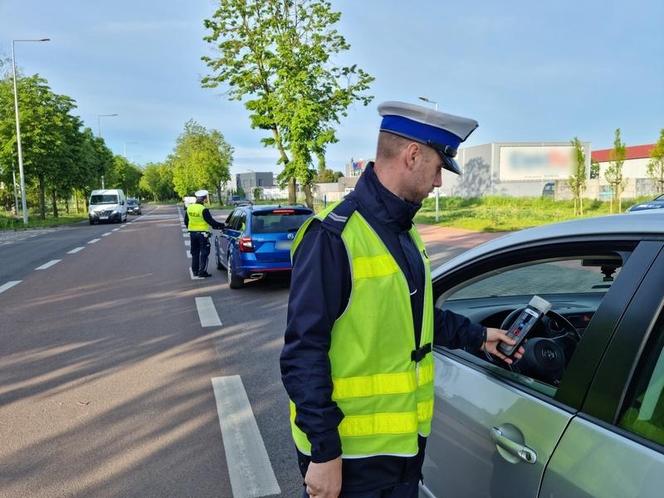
[[425, 99], [99, 116], [24, 205]]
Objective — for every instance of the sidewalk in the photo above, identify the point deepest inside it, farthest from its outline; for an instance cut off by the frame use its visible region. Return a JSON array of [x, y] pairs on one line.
[[444, 243]]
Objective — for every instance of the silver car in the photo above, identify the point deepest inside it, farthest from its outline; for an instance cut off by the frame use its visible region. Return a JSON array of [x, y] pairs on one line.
[[582, 414]]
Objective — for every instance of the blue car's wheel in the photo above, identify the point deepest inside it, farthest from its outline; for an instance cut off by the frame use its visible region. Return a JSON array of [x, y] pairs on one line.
[[234, 281]]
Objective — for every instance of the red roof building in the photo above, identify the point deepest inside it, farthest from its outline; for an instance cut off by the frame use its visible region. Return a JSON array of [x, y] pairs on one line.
[[633, 152]]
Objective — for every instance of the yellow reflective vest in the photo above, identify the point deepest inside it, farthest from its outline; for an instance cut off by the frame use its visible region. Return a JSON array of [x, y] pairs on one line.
[[196, 221], [385, 394]]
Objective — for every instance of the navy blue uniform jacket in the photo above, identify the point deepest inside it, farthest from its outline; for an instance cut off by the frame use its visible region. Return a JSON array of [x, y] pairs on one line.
[[320, 289]]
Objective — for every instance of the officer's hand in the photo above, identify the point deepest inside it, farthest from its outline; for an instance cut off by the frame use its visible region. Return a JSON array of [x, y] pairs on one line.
[[495, 337], [323, 480]]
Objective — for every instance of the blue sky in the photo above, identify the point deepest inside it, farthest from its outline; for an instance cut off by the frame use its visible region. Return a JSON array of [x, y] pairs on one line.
[[527, 71]]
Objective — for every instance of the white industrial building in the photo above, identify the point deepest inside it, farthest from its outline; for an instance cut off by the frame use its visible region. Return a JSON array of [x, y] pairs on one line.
[[522, 169]]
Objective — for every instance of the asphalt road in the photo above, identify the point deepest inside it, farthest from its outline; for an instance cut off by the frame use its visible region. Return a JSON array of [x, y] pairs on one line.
[[107, 376]]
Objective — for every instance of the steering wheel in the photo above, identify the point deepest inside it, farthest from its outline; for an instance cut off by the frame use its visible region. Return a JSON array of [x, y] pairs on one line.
[[550, 346]]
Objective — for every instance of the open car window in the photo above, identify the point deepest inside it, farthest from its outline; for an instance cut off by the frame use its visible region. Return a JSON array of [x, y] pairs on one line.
[[574, 285]]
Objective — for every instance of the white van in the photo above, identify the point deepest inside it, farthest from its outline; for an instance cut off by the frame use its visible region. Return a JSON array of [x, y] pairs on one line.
[[108, 205]]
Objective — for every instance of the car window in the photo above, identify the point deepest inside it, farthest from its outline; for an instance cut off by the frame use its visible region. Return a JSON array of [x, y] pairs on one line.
[[575, 287], [643, 413], [104, 199], [279, 220], [242, 222], [233, 220]]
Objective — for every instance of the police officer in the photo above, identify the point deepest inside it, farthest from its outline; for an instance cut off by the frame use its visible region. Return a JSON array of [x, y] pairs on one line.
[[357, 361], [199, 220]]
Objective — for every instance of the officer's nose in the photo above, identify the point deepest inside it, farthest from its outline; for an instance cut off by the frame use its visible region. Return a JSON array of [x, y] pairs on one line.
[[438, 180]]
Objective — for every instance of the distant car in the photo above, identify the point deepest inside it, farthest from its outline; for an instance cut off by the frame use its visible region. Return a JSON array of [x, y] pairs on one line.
[[549, 190], [238, 200], [257, 241], [581, 415], [656, 203], [107, 206], [133, 206]]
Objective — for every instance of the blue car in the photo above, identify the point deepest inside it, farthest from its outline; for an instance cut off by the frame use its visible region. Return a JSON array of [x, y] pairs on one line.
[[656, 203], [257, 241]]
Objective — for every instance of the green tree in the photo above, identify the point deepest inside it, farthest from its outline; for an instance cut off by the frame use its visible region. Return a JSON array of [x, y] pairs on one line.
[[201, 159], [614, 173], [577, 180], [656, 163], [157, 182], [126, 176], [277, 55], [594, 169]]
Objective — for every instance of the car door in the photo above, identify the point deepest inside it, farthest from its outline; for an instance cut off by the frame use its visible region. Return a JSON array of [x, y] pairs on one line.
[[615, 446], [494, 430], [224, 236]]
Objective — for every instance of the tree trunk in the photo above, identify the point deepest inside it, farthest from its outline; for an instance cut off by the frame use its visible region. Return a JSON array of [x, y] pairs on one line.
[[78, 209], [67, 204], [42, 198], [308, 196], [54, 202], [219, 192], [292, 191]]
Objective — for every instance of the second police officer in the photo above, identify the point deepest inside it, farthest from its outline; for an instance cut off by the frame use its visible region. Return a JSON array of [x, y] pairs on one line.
[[199, 221]]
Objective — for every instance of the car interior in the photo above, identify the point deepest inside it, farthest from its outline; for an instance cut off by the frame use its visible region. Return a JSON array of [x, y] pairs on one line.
[[574, 286]]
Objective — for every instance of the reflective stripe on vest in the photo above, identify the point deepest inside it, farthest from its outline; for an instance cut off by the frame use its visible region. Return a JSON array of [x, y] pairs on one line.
[[196, 221], [386, 397]]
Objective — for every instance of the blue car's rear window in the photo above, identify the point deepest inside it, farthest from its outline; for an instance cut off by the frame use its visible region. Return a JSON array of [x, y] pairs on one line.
[[279, 220]]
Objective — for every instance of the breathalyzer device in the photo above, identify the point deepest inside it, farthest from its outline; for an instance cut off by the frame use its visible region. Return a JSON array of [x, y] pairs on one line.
[[524, 323]]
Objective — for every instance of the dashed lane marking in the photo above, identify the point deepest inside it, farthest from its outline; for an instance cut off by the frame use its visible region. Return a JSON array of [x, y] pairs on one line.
[[94, 241], [207, 313], [9, 285], [187, 242], [48, 265], [191, 275], [115, 230], [249, 466], [77, 249], [189, 256], [106, 234]]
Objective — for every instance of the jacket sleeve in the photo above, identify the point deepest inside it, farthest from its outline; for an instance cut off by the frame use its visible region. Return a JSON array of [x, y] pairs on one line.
[[211, 221], [320, 289], [455, 331], [186, 219]]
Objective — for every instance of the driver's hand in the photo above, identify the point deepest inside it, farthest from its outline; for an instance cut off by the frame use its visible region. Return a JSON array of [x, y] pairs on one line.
[[495, 337]]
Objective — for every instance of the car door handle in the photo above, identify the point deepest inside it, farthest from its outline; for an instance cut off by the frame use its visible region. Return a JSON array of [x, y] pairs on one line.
[[512, 447]]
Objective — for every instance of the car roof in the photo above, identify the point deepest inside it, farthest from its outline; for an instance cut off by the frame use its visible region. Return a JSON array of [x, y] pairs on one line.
[[271, 207], [641, 223]]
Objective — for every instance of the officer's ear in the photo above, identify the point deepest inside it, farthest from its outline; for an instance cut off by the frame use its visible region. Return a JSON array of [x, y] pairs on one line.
[[412, 153]]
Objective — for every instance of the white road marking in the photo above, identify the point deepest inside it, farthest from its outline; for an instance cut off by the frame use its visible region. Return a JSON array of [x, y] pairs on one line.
[[48, 265], [74, 251], [249, 466], [207, 313], [187, 242], [191, 274], [122, 226], [189, 256], [115, 230], [9, 285], [106, 234], [94, 241], [185, 235]]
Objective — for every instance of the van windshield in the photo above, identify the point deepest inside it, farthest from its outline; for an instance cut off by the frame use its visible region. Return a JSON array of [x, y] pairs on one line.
[[104, 199]]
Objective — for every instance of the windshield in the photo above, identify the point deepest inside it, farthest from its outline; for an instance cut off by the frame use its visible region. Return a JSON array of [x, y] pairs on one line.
[[104, 199], [279, 220], [132, 202]]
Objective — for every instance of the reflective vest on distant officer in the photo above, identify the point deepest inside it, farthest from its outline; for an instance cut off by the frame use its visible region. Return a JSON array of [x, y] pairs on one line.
[[196, 221], [382, 381]]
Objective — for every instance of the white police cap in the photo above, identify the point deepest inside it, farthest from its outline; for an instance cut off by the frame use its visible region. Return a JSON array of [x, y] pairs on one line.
[[201, 193], [443, 132]]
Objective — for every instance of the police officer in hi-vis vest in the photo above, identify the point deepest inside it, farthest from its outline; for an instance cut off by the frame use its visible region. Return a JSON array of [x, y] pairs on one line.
[[198, 220], [357, 361]]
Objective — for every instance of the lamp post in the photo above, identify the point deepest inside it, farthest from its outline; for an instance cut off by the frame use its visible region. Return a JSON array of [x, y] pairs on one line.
[[425, 99], [99, 116], [24, 205]]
